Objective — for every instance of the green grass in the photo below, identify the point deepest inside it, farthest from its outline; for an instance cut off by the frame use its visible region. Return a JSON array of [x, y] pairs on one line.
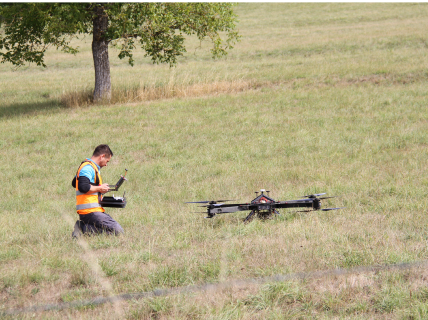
[[336, 103]]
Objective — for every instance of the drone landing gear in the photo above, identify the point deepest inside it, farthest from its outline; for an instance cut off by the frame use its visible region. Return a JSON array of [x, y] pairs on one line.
[[262, 215], [250, 217]]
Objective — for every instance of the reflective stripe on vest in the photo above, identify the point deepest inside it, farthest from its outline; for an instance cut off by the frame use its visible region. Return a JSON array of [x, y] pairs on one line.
[[78, 193], [87, 206], [88, 202]]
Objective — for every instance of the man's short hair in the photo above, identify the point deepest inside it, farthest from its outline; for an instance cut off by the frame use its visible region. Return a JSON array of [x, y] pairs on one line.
[[102, 149]]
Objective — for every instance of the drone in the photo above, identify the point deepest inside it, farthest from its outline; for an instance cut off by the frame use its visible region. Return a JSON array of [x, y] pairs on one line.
[[263, 206]]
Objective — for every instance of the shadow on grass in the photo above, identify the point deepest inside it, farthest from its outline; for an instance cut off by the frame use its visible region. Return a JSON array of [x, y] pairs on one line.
[[22, 109]]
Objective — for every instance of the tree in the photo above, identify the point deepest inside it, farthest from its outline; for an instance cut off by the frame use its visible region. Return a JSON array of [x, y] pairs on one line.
[[29, 29]]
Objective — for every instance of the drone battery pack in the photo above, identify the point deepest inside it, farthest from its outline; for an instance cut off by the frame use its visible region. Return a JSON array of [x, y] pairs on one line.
[[114, 202]]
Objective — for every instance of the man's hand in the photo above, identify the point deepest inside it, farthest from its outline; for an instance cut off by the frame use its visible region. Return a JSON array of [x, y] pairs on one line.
[[102, 188]]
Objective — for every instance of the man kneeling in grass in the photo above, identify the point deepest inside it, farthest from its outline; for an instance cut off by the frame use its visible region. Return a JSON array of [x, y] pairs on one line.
[[89, 189]]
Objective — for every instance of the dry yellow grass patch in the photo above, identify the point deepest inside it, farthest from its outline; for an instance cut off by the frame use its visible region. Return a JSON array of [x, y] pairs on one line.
[[170, 90]]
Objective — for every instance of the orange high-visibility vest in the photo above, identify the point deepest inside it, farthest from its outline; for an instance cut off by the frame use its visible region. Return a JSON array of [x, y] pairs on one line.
[[88, 202]]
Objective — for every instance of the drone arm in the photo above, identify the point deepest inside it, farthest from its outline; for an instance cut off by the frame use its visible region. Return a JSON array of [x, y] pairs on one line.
[[229, 208], [303, 203], [213, 210]]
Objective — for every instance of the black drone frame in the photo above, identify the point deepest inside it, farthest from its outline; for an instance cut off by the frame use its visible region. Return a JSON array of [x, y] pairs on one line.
[[264, 206]]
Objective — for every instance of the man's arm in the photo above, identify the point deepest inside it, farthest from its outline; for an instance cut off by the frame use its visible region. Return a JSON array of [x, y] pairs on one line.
[[102, 188], [85, 186]]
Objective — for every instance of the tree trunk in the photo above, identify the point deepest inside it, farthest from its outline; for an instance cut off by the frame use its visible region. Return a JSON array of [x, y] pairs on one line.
[[102, 90]]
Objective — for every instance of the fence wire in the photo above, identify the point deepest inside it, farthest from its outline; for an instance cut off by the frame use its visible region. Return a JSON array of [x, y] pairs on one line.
[[213, 286]]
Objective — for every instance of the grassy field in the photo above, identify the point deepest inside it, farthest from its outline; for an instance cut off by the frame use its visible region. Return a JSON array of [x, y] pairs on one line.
[[315, 98]]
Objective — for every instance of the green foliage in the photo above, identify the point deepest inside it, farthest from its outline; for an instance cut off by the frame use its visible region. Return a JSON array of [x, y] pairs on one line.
[[152, 308], [30, 28], [390, 299], [167, 276], [275, 294], [7, 254], [80, 276], [159, 28], [419, 311]]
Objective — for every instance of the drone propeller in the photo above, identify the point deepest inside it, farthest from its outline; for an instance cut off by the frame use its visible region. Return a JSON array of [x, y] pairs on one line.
[[328, 209], [310, 210], [212, 205], [200, 202], [301, 211], [210, 201], [316, 195], [322, 198]]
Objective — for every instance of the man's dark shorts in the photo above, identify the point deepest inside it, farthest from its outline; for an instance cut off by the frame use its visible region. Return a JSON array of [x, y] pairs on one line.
[[99, 222]]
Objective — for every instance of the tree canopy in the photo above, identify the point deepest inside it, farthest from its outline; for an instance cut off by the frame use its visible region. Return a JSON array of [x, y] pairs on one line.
[[29, 29]]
